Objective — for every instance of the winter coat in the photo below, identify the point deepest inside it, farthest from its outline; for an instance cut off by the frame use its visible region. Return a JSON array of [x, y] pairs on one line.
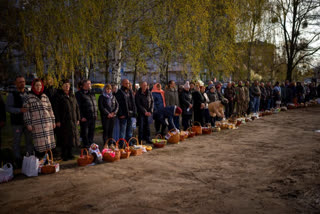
[[255, 91], [14, 104], [269, 94], [212, 96], [144, 102], [263, 93], [51, 93], [158, 101], [185, 100], [106, 108], [283, 93], [2, 110], [198, 99], [277, 93], [40, 116], [229, 93], [127, 105], [67, 113], [167, 113], [247, 93], [87, 104], [171, 97], [240, 94]]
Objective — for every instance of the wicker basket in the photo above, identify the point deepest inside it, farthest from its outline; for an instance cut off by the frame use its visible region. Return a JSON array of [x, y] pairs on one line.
[[125, 151], [84, 160], [191, 133], [183, 135], [174, 136], [197, 128], [135, 151], [159, 142], [108, 157], [50, 167], [207, 129]]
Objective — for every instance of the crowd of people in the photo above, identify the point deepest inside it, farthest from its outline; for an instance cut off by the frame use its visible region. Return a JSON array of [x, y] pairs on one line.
[[47, 116]]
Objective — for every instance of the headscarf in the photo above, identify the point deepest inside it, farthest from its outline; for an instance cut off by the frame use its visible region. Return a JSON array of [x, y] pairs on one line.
[[156, 90], [186, 85], [105, 94], [33, 87]]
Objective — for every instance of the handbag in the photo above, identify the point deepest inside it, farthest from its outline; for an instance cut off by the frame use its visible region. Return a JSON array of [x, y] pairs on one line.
[[6, 173], [30, 165]]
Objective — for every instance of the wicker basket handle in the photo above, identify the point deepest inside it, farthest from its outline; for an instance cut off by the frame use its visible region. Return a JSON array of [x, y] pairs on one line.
[[196, 122], [86, 150], [158, 135], [172, 131], [106, 143], [48, 156], [125, 142], [133, 138]]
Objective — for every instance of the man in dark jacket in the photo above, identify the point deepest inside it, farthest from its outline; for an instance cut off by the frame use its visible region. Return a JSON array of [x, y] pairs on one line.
[[256, 93], [49, 90], [263, 99], [168, 113], [186, 104], [127, 109], [229, 94], [88, 113], [172, 99], [198, 105], [2, 117], [269, 96], [144, 102], [14, 107]]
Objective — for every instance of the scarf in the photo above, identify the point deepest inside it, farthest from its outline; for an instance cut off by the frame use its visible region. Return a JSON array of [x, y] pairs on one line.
[[33, 90], [156, 90]]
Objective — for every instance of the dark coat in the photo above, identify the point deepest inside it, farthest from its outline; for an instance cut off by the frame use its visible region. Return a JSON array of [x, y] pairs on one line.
[[125, 102], [255, 91], [185, 101], [172, 97], [230, 94], [263, 93], [197, 98], [87, 104], [167, 113], [144, 102], [158, 101], [67, 113], [51, 93], [106, 108], [2, 110], [269, 94], [212, 96]]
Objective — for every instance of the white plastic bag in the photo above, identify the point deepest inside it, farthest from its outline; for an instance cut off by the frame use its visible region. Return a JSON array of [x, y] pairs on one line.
[[30, 166], [6, 173]]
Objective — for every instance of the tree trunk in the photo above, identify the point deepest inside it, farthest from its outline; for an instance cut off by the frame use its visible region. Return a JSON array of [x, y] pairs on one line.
[[106, 74], [135, 74], [289, 70], [116, 62]]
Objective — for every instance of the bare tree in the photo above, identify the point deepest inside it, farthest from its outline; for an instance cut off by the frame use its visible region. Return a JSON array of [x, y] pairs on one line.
[[299, 22]]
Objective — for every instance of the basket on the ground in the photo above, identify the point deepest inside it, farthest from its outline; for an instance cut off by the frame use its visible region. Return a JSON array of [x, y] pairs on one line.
[[111, 155], [207, 129], [51, 166], [159, 143], [196, 127], [84, 160], [183, 135], [173, 136], [136, 150], [125, 150], [191, 133]]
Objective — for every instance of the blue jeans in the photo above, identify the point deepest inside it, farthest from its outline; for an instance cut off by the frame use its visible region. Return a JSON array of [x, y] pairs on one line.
[[125, 128], [18, 131], [256, 104], [269, 104]]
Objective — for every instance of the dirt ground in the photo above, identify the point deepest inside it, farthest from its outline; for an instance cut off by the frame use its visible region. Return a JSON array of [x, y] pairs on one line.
[[271, 165]]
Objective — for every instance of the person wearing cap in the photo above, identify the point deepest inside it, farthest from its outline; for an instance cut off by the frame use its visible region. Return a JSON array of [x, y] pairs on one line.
[[186, 104], [108, 107], [212, 93], [39, 118], [67, 116], [144, 102], [198, 105]]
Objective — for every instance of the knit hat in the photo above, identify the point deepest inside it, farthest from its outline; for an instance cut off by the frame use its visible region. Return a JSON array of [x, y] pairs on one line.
[[186, 85], [178, 110], [210, 86]]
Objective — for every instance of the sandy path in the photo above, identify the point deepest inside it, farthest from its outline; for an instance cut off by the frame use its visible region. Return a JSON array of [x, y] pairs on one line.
[[271, 165]]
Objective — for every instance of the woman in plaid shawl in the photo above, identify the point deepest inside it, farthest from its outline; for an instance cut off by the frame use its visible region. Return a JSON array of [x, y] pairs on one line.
[[39, 118]]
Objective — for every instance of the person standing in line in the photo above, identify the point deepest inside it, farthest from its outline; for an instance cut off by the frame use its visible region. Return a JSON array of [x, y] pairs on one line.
[[229, 94], [67, 116], [3, 118], [241, 100], [172, 99], [248, 98], [263, 99], [108, 107], [39, 118], [116, 128], [127, 109], [88, 113], [144, 102], [269, 96], [186, 104], [256, 93], [159, 104], [198, 105], [277, 95], [15, 107]]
